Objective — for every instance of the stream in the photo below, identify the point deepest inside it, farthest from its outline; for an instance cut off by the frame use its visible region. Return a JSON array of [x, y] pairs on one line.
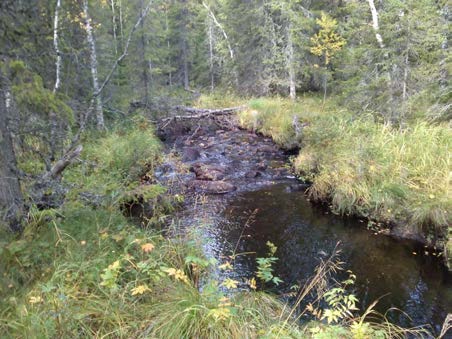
[[239, 194]]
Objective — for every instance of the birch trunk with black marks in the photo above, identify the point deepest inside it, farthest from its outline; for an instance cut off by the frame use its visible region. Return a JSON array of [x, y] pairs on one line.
[[52, 114], [11, 199], [375, 23], [94, 68]]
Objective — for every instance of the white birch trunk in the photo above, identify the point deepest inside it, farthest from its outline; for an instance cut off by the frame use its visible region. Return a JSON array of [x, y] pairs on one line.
[[52, 114], [113, 14], [375, 24], [121, 24], [56, 47], [290, 62], [231, 51], [93, 64]]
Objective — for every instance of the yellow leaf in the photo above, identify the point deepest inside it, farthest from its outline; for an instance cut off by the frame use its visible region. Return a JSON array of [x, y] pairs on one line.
[[147, 248], [178, 275], [35, 300], [140, 289], [229, 283], [252, 283], [114, 266], [226, 266]]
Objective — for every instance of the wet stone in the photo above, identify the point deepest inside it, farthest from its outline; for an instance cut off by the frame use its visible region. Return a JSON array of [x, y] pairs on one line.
[[190, 154], [212, 187]]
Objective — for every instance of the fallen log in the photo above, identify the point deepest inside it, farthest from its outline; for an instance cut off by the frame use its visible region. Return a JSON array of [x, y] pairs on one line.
[[197, 113], [61, 164]]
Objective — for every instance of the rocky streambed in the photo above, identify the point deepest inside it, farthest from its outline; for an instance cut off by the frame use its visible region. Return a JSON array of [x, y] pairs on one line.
[[239, 194]]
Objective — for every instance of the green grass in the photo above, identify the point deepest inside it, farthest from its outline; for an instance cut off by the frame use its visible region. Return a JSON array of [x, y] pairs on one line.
[[392, 175]]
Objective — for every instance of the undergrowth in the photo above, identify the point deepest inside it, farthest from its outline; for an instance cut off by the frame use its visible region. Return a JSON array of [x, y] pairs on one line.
[[85, 270]]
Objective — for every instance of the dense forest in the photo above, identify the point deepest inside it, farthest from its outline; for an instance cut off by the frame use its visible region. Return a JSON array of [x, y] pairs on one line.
[[356, 91]]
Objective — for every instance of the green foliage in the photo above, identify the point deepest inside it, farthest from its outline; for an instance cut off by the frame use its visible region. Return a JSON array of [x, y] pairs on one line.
[[327, 42], [113, 164], [265, 266]]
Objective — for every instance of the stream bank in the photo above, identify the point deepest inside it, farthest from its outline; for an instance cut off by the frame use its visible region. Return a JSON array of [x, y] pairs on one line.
[[232, 177]]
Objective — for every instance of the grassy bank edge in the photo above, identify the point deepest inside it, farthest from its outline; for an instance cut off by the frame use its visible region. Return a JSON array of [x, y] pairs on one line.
[[394, 177]]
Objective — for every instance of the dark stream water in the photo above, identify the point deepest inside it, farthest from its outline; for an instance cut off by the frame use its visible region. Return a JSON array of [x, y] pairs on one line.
[[416, 284], [268, 205]]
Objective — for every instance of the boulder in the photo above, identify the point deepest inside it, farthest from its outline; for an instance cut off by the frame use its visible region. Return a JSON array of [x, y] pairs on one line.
[[191, 154], [252, 174], [212, 187], [208, 172]]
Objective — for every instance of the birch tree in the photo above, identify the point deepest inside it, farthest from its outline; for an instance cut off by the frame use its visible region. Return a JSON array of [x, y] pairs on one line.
[[52, 114], [97, 98]]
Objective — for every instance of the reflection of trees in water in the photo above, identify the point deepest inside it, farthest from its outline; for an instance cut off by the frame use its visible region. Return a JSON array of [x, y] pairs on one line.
[[305, 234]]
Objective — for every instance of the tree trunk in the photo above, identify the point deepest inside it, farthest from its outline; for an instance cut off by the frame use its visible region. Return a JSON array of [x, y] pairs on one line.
[[121, 24], [211, 65], [52, 115], [11, 199], [290, 62], [143, 56], [184, 44], [168, 45], [375, 24], [93, 64], [379, 38], [113, 18]]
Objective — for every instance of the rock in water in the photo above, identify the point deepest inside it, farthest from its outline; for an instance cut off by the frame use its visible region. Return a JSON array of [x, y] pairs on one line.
[[212, 187], [208, 172], [190, 154]]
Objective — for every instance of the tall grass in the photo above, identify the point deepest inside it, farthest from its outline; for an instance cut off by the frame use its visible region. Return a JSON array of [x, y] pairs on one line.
[[394, 175]]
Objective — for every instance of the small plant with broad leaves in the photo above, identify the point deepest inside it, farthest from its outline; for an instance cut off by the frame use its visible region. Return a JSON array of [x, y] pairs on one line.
[[340, 302], [265, 270]]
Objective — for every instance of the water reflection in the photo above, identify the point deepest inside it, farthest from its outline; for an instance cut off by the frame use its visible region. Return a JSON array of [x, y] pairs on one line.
[[385, 268]]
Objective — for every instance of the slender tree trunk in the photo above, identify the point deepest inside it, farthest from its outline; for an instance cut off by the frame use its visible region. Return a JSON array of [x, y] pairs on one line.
[[93, 64], [113, 18], [11, 199], [405, 78], [121, 24], [228, 42], [378, 37], [217, 23], [324, 86], [146, 64], [184, 43], [211, 65], [375, 24], [168, 45], [290, 61], [52, 115], [443, 64]]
